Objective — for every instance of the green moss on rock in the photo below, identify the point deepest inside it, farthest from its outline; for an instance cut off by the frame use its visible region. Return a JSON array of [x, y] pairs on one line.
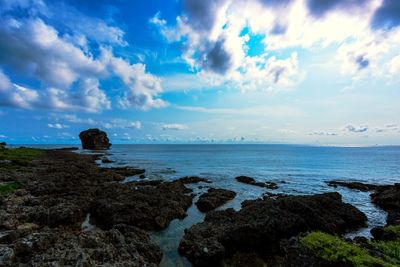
[[334, 249], [20, 156], [6, 189]]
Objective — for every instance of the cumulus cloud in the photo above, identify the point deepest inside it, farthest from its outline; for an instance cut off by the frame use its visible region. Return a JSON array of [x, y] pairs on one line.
[[174, 126], [57, 125], [143, 87], [361, 129], [215, 35], [69, 74]]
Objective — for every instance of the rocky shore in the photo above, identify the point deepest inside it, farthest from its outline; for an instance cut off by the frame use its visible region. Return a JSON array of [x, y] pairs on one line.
[[41, 216], [59, 208]]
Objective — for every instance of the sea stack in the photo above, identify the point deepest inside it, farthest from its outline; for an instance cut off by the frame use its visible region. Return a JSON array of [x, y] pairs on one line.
[[94, 139]]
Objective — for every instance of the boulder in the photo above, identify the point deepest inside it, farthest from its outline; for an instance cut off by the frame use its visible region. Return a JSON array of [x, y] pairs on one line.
[[353, 185], [193, 180], [261, 224], [252, 181], [214, 198], [94, 139]]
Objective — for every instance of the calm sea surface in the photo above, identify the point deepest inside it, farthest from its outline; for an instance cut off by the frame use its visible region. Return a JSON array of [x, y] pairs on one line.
[[296, 169]]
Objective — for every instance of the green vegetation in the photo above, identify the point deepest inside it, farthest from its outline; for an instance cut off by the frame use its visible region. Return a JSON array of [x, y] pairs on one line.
[[6, 189], [334, 249], [393, 229], [391, 250], [20, 156]]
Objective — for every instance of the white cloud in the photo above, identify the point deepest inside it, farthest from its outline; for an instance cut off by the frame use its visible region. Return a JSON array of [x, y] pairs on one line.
[[215, 36], [394, 65], [69, 74], [174, 126], [136, 125], [360, 129], [57, 126], [143, 88], [3, 136]]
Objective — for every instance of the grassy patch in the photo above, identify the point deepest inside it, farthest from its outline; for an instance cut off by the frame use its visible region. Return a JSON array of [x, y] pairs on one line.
[[393, 229], [334, 249], [8, 188], [391, 250], [20, 156]]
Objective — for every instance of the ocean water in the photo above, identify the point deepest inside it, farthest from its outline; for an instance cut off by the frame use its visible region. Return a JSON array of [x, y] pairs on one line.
[[296, 169]]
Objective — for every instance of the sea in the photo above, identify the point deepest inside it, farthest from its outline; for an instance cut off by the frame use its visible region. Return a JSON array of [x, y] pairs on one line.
[[297, 169]]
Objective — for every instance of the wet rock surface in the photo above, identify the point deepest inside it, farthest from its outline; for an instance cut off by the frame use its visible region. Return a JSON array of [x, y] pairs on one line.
[[40, 222], [94, 139], [193, 180], [252, 181], [387, 197], [353, 185], [261, 224], [214, 198]]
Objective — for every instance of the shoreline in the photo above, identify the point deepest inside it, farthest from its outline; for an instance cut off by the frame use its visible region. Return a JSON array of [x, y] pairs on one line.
[[49, 210]]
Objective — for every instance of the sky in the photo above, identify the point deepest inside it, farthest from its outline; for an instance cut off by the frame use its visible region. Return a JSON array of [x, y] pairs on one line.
[[211, 71]]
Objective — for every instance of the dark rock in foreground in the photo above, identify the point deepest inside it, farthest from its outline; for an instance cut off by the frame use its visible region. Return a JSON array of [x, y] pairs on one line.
[[252, 181], [214, 198], [150, 207], [94, 139], [261, 224], [120, 173], [120, 246], [41, 218]]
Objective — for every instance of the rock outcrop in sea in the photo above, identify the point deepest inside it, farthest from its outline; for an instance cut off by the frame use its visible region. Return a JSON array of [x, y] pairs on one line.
[[214, 198], [94, 139]]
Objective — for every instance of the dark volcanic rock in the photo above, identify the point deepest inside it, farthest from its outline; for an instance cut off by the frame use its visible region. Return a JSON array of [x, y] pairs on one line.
[[106, 160], [214, 198], [261, 224], [388, 198], [148, 207], [353, 185], [40, 223], [252, 181], [94, 139], [123, 171], [193, 180], [120, 246], [245, 179]]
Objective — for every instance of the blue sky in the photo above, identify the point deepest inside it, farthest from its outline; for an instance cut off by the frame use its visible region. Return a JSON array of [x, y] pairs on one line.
[[291, 71]]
